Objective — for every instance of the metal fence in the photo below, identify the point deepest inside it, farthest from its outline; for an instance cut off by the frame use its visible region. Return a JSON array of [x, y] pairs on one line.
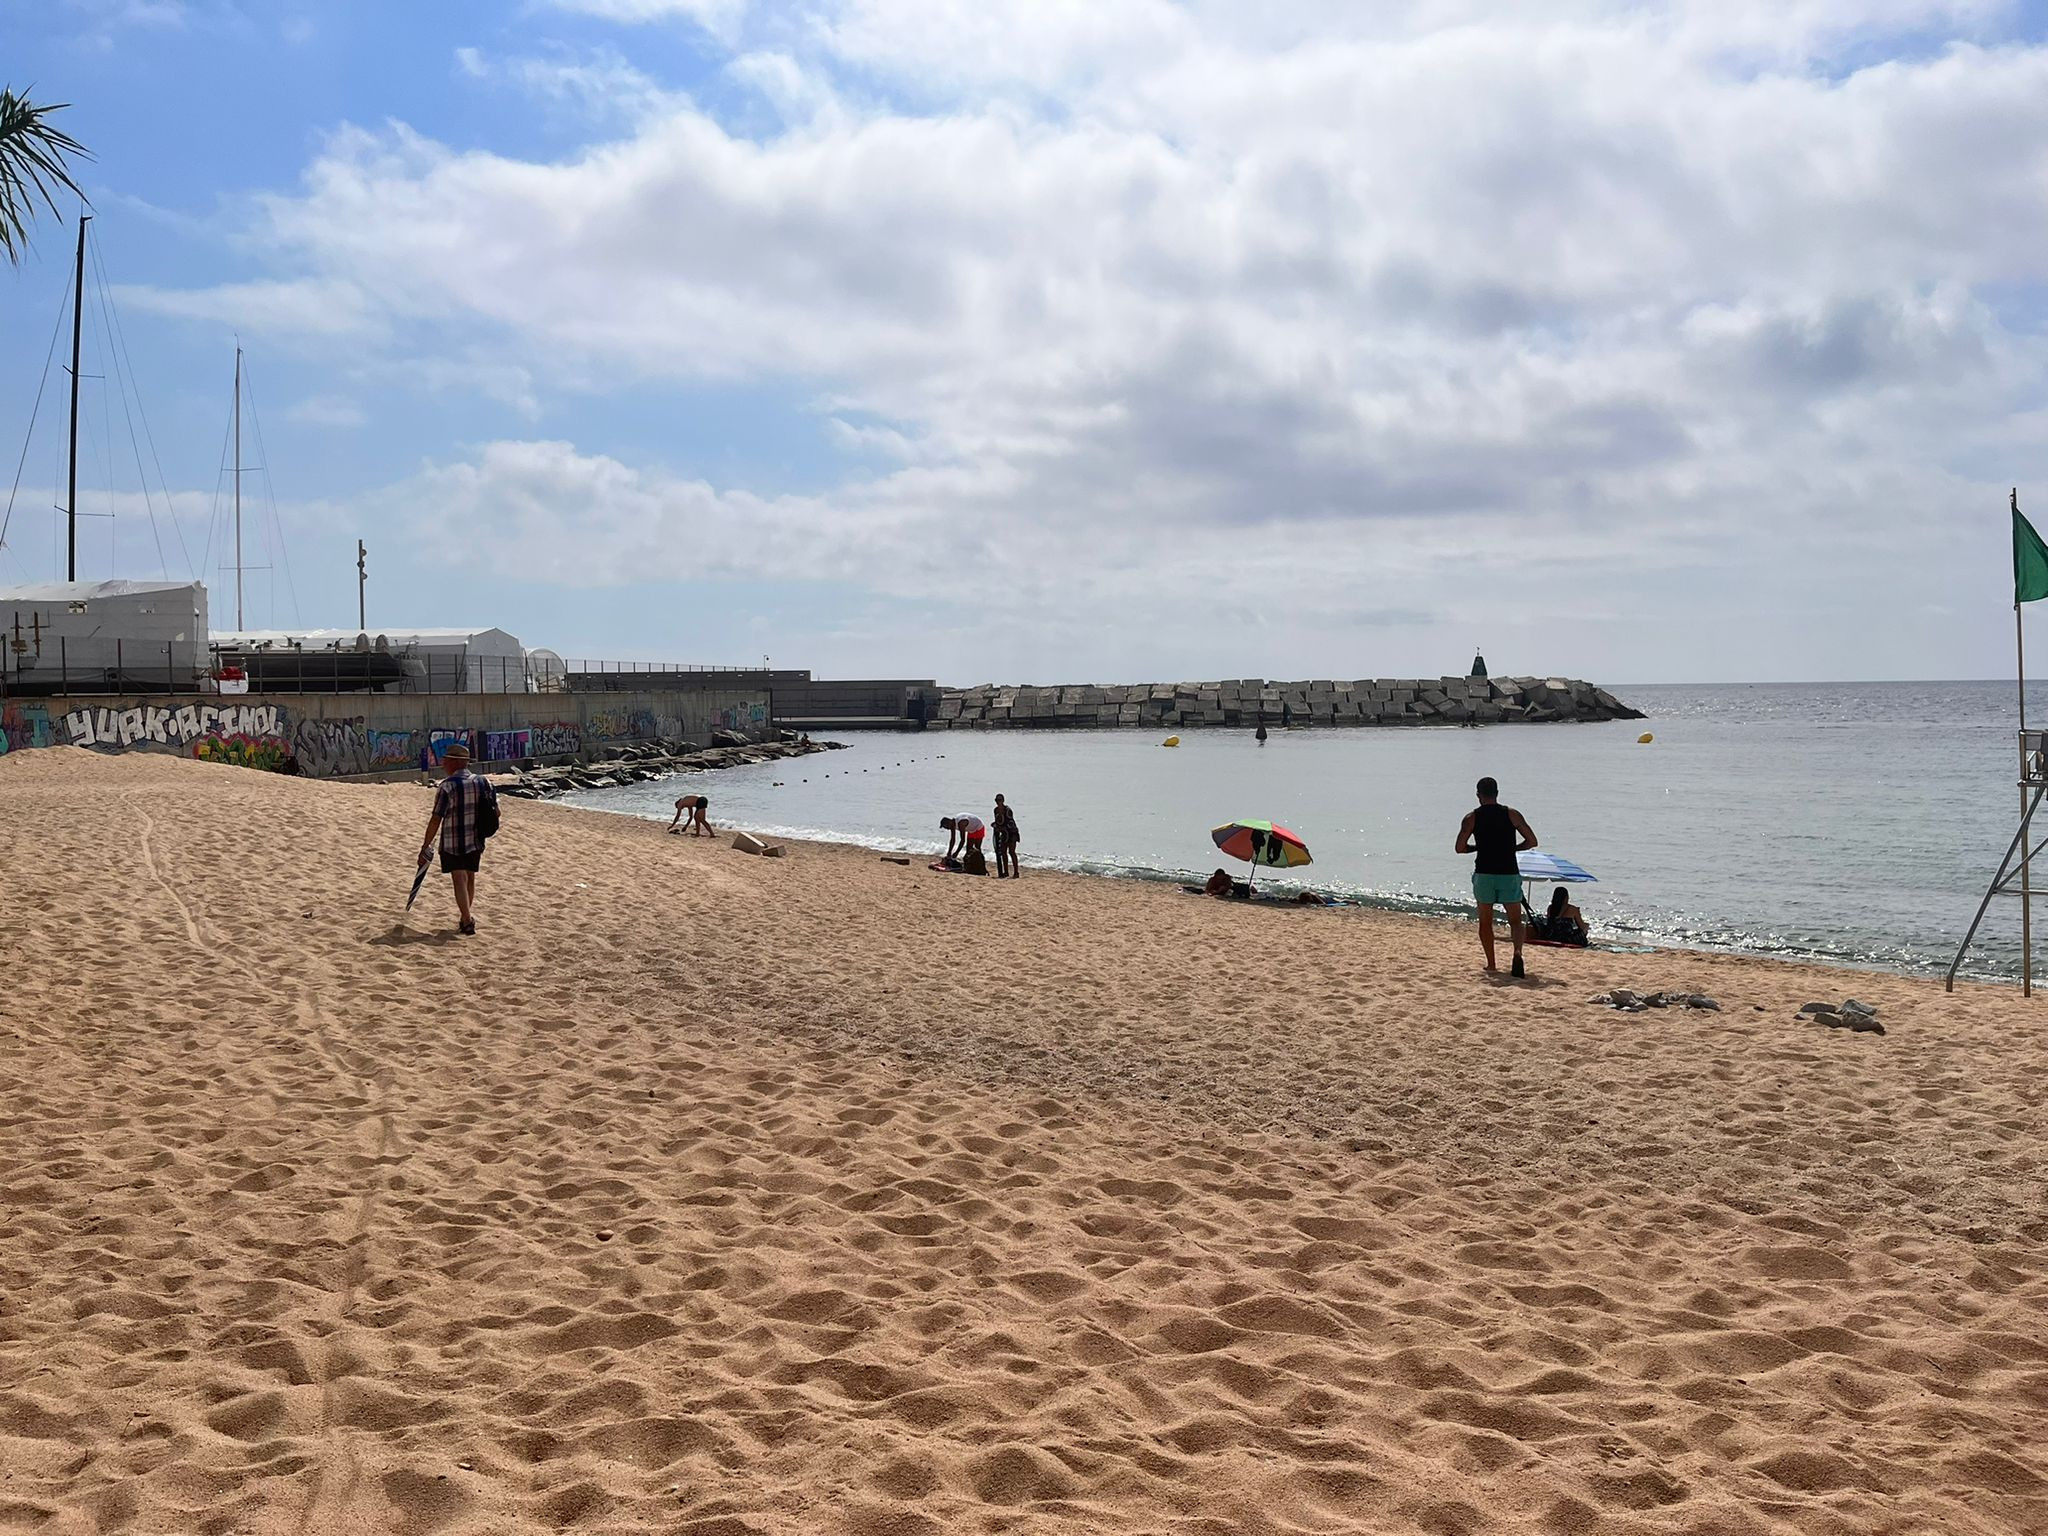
[[138, 668]]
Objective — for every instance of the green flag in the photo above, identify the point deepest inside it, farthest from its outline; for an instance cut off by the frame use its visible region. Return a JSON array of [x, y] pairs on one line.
[[2029, 559]]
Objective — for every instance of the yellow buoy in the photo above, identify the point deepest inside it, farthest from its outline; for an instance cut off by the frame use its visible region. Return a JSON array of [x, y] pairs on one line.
[[1171, 741], [1645, 739]]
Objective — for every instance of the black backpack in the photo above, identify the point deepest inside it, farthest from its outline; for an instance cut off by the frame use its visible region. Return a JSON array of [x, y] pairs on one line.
[[487, 814]]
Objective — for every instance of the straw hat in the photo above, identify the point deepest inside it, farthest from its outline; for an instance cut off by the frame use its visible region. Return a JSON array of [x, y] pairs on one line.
[[455, 751]]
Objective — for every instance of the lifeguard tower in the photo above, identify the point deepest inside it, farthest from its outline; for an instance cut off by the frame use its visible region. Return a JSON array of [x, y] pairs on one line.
[[2016, 866]]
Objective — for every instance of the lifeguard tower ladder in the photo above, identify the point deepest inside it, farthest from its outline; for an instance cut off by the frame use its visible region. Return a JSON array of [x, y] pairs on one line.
[[2018, 861]]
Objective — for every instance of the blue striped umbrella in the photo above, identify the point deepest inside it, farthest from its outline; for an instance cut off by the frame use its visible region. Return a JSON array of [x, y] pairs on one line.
[[1538, 865]]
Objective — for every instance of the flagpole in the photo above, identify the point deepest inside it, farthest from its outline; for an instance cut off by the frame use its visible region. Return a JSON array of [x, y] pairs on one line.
[[2019, 635], [2026, 884]]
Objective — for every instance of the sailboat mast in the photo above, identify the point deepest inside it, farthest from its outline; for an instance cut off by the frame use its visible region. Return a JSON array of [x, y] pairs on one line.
[[238, 488], [77, 327]]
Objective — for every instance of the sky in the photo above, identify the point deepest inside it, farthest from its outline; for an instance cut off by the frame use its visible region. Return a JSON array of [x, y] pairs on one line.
[[1060, 340]]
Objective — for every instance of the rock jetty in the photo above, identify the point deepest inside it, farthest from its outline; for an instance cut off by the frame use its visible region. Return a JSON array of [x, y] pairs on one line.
[[1254, 701], [651, 760]]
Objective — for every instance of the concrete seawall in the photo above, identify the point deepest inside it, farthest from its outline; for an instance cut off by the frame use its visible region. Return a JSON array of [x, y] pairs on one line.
[[1248, 702], [345, 733]]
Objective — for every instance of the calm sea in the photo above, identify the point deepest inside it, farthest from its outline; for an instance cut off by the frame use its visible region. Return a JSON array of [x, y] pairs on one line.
[[1849, 823]]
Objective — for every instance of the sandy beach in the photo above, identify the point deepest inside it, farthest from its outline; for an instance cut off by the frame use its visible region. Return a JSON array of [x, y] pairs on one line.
[[710, 1194]]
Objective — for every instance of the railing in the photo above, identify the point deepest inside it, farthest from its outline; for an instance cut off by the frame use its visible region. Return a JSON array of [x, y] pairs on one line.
[[142, 668], [620, 676], [634, 667], [137, 668], [354, 671]]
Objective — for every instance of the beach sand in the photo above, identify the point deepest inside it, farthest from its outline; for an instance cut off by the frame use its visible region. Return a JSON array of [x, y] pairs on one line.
[[712, 1194]]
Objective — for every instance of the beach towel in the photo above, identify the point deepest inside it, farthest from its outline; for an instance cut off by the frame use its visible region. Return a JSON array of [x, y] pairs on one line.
[[1264, 899]]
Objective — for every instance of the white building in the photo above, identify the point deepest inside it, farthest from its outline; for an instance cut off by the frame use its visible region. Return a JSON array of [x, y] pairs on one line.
[[104, 636], [414, 660]]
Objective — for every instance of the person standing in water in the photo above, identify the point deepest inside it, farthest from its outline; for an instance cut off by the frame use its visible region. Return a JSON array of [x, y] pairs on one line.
[[1496, 833], [1260, 733]]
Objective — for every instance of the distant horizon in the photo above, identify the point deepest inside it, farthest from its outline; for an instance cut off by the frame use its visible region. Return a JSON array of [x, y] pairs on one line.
[[1818, 682], [1830, 682]]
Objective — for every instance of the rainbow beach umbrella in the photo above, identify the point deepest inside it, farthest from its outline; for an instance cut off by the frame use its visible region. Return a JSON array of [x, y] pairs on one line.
[[1260, 842]]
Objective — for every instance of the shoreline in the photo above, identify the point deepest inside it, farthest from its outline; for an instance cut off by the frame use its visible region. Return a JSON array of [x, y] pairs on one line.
[[1434, 908]]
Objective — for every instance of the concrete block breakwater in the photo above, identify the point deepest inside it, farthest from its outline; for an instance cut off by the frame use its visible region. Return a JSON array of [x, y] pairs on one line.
[[1246, 702]]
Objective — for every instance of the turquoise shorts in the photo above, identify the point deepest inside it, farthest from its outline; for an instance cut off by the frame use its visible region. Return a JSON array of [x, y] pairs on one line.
[[1488, 889]]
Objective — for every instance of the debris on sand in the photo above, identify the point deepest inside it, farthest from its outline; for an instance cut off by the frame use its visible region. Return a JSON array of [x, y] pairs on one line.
[[1624, 1001]]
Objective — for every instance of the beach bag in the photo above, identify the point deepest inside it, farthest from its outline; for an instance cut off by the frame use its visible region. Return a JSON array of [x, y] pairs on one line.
[[972, 863], [487, 814]]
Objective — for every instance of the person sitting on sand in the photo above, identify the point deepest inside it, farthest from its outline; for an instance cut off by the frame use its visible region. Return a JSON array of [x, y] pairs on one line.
[[696, 806], [1564, 923], [1496, 833], [1006, 841], [1218, 884]]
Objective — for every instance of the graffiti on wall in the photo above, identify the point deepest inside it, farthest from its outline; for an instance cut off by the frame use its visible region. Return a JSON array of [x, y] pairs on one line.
[[23, 726], [240, 750], [265, 735], [393, 749], [506, 746], [740, 717], [439, 740], [182, 726], [554, 740], [636, 724], [328, 747]]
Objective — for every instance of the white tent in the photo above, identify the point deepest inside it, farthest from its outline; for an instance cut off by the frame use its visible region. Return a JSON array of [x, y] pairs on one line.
[[104, 635], [436, 660]]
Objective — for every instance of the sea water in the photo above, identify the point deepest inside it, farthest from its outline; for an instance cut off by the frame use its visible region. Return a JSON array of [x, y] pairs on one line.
[[1849, 823]]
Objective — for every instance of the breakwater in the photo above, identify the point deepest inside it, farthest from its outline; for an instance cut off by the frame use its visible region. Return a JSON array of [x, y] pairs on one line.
[[644, 761], [1247, 702]]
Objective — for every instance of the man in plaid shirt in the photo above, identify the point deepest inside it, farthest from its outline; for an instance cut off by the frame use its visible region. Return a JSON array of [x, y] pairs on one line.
[[456, 799]]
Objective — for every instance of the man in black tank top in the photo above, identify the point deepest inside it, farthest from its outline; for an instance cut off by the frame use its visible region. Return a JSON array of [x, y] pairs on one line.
[[1496, 833]]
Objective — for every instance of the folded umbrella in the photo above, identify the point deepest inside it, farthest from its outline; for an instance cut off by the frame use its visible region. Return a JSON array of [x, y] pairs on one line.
[[418, 880]]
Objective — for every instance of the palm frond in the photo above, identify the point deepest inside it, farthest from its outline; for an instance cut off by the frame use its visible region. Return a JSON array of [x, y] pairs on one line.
[[34, 163]]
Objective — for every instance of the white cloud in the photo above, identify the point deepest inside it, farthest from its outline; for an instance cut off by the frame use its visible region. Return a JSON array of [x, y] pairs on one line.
[[600, 87], [1618, 295], [310, 306], [721, 18], [109, 14], [328, 411]]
